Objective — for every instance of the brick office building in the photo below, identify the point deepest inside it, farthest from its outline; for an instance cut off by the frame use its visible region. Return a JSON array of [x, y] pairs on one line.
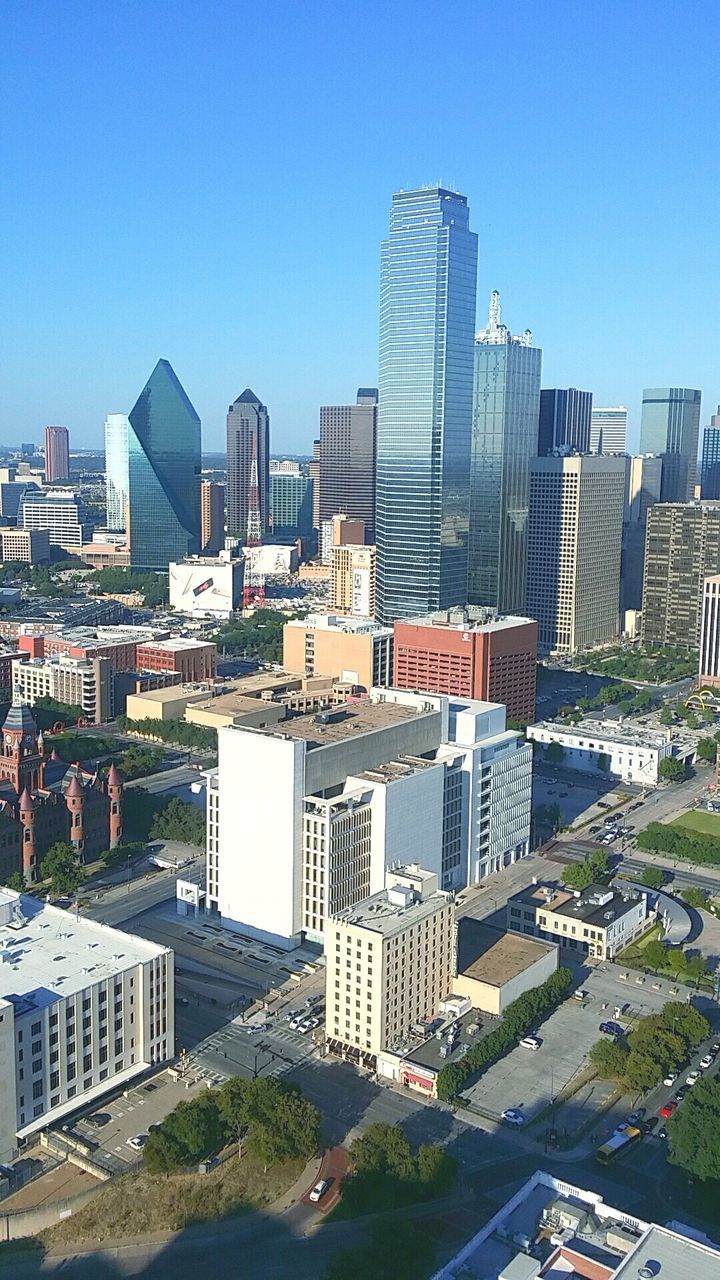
[[472, 653]]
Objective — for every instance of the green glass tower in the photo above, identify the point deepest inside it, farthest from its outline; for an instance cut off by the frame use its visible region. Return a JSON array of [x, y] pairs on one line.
[[163, 473]]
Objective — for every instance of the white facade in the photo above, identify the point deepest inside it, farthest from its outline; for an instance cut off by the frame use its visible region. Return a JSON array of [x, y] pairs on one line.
[[304, 818], [710, 632], [607, 429], [632, 755], [60, 512], [117, 482], [79, 682], [206, 586], [83, 1008]]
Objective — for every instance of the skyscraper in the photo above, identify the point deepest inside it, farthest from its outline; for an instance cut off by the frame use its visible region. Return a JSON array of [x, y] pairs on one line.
[[116, 470], [643, 486], [505, 433], [314, 474], [291, 501], [576, 516], [57, 454], [212, 517], [428, 280], [247, 419], [670, 425], [163, 471], [682, 549], [347, 458], [608, 428], [564, 421], [710, 466]]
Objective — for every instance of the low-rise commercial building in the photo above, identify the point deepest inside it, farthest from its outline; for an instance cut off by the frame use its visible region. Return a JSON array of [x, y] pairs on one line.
[[472, 652], [494, 968], [597, 922], [118, 644], [59, 511], [78, 682], [208, 586], [357, 651], [8, 659], [390, 961], [168, 703], [619, 751], [31, 546], [194, 659], [83, 1009]]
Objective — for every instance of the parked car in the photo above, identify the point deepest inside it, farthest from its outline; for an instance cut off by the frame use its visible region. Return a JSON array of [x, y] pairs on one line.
[[667, 1110], [100, 1119], [637, 1114], [611, 1029], [513, 1117], [707, 1061], [311, 1000], [693, 1077], [137, 1143], [670, 1078], [319, 1190], [662, 1133], [680, 1093], [593, 830], [715, 1049], [530, 1042], [312, 1023], [650, 1125]]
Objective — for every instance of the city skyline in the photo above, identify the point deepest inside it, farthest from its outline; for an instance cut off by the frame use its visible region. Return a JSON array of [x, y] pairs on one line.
[[584, 262]]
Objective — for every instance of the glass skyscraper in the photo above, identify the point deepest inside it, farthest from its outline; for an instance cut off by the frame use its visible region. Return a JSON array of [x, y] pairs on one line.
[[116, 470], [505, 437], [163, 473], [565, 417], [428, 280], [670, 426], [710, 466]]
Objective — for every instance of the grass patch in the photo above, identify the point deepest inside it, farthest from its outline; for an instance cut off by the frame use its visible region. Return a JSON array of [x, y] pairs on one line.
[[698, 820], [632, 955], [138, 1203]]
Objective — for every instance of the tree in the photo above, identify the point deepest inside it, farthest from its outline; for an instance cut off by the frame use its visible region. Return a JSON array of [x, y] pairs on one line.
[[603, 762], [279, 1123], [61, 866], [694, 1132], [676, 961], [195, 1126], [577, 875], [15, 881], [666, 716], [554, 752], [383, 1148], [695, 897], [696, 969], [686, 1021], [436, 1168], [655, 955], [671, 770], [655, 1039], [641, 1072], [610, 1059], [707, 749], [163, 1152], [652, 878]]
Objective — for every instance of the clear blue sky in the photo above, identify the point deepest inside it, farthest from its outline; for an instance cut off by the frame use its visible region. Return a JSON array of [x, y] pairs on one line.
[[210, 181]]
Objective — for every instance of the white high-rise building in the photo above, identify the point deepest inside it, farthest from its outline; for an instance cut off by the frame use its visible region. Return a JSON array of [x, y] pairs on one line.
[[608, 428], [116, 470], [83, 1009], [306, 816]]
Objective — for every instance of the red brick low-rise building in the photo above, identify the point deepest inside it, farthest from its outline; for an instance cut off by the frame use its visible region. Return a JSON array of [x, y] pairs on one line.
[[194, 659], [472, 653]]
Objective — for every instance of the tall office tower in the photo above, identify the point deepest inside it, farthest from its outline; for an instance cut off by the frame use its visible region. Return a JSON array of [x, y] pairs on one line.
[[710, 466], [710, 632], [352, 589], [116, 470], [57, 454], [643, 486], [347, 458], [565, 416], [428, 278], [247, 420], [682, 548], [291, 497], [576, 516], [212, 517], [506, 404], [314, 474], [670, 426], [608, 428], [163, 471]]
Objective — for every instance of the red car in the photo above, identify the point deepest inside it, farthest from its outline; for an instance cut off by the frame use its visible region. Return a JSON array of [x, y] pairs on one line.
[[668, 1109]]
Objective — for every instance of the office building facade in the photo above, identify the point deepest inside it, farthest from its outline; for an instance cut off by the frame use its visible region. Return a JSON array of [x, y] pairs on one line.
[[117, 483], [682, 548], [565, 418], [608, 429], [77, 682], [57, 454], [643, 486], [163, 473], [314, 474], [576, 519], [79, 1018], [355, 651], [710, 465], [347, 458], [337, 798], [212, 517], [352, 580], [506, 401], [427, 311], [196, 660], [32, 546], [60, 512], [291, 503], [470, 653], [248, 434], [670, 426], [710, 632]]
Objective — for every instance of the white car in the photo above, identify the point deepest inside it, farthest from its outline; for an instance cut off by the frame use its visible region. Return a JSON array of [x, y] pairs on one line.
[[693, 1077], [137, 1143], [707, 1061], [319, 1190], [670, 1078], [511, 1116], [530, 1042], [304, 1026]]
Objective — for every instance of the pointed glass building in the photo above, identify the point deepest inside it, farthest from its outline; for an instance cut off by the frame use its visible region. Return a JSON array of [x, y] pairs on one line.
[[163, 473], [428, 281]]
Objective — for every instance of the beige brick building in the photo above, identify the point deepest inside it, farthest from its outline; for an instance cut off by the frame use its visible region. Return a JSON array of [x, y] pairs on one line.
[[352, 580], [356, 651]]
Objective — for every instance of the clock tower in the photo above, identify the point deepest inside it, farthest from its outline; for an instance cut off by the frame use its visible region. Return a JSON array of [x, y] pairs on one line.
[[21, 751]]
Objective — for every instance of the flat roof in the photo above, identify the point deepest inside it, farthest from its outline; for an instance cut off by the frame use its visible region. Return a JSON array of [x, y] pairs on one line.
[[233, 702], [491, 956], [341, 624], [49, 954], [254, 684], [352, 719], [176, 643], [600, 729], [674, 1256], [172, 692], [468, 620], [380, 915], [584, 906]]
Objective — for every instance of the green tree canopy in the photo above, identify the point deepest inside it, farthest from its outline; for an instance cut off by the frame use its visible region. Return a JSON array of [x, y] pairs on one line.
[[609, 1059], [686, 1021], [671, 770], [695, 897], [61, 866], [655, 955], [652, 877], [554, 752], [706, 749], [694, 1132]]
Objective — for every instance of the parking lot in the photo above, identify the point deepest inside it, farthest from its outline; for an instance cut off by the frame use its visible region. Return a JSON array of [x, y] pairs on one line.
[[528, 1081], [146, 1104], [573, 792]]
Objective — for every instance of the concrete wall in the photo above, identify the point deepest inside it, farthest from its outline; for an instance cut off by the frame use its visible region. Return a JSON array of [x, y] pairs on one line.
[[329, 766], [29, 1222], [490, 998], [8, 1097]]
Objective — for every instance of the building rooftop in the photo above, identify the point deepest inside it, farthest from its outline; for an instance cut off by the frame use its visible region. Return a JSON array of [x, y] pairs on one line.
[[340, 623], [491, 956], [471, 618], [174, 691], [340, 723], [597, 905], [673, 1255], [47, 954], [175, 644], [604, 731], [393, 910]]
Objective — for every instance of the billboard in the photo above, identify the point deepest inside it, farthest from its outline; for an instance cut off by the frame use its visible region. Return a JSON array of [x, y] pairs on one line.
[[211, 587]]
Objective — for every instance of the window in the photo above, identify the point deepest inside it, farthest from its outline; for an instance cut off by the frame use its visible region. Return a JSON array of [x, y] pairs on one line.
[[36, 1028], [38, 1089], [87, 1062], [37, 1065]]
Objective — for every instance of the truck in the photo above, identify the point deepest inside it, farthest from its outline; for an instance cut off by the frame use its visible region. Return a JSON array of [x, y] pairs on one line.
[[618, 1144]]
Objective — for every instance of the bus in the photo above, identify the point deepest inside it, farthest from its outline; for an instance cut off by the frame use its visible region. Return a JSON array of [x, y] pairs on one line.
[[617, 1144]]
